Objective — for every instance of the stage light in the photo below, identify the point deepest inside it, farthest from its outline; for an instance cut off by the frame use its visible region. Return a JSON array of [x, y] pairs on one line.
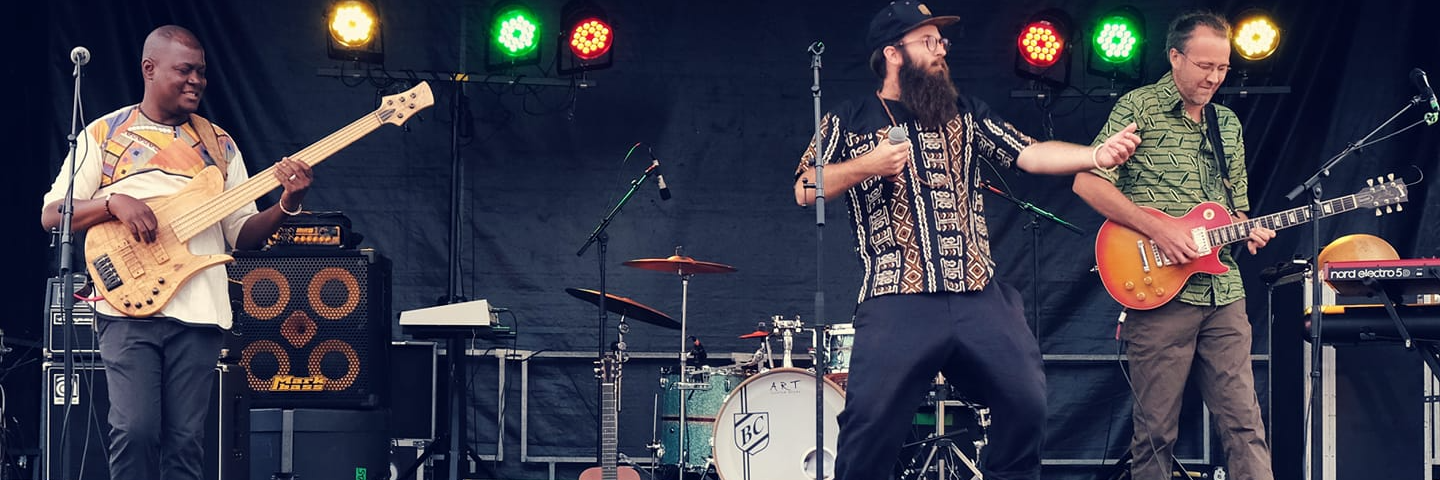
[[1042, 49], [588, 39], [1116, 45], [1255, 35], [354, 32], [515, 33]]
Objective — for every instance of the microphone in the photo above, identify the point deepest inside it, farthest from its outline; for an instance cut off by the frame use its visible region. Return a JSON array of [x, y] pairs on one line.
[[659, 178], [897, 134], [1426, 93]]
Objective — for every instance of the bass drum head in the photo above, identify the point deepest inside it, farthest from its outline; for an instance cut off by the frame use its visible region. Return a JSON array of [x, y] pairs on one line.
[[766, 428]]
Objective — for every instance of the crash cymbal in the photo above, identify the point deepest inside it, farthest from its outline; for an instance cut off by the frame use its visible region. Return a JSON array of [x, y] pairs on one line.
[[627, 307], [756, 334], [680, 265]]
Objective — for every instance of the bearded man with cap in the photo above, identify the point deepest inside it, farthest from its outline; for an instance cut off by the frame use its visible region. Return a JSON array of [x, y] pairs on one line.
[[929, 301]]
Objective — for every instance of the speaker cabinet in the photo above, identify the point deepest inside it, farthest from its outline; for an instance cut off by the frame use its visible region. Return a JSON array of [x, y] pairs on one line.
[[311, 329], [87, 431]]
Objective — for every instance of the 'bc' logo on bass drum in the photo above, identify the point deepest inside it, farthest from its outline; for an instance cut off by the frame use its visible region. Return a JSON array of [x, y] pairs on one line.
[[752, 432]]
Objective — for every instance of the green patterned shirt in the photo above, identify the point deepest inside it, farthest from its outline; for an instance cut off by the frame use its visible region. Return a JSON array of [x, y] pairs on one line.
[[1174, 169]]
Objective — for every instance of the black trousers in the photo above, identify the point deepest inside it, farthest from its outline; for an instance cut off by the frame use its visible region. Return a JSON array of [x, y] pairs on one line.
[[979, 341], [160, 373]]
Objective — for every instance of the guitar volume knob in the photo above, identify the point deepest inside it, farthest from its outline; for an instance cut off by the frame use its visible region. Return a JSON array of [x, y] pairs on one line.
[[1149, 281], [1140, 296], [1129, 285]]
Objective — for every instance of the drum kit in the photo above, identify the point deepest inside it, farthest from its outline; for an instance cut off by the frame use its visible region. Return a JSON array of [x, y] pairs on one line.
[[753, 419]]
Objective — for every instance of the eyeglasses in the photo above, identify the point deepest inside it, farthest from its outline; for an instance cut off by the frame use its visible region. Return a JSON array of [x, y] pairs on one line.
[[931, 43], [1207, 66]]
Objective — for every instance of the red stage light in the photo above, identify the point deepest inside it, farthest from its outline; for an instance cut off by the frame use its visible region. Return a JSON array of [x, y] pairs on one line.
[[1041, 43], [590, 38]]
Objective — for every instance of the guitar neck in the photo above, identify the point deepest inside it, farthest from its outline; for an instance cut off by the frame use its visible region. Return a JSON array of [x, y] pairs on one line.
[[1240, 231], [215, 209], [609, 432]]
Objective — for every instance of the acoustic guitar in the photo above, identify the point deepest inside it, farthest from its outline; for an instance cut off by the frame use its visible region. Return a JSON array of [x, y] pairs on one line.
[[139, 278], [609, 373], [1139, 276]]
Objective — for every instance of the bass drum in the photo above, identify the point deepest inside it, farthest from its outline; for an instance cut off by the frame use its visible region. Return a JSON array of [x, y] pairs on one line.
[[766, 428]]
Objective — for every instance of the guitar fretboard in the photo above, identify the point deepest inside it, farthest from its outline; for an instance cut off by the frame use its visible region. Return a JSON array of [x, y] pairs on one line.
[[609, 432], [1240, 231]]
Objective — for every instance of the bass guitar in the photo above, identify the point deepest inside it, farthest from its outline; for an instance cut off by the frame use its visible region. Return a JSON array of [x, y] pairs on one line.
[[138, 278]]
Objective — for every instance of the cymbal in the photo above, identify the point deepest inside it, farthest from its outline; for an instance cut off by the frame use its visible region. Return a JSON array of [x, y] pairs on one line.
[[680, 265], [756, 334], [625, 306]]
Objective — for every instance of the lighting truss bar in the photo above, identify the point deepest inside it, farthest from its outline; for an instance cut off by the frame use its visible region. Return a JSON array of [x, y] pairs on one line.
[[1116, 93], [464, 77]]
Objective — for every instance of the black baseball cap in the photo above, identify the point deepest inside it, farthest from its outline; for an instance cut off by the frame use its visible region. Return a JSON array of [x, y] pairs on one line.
[[899, 18]]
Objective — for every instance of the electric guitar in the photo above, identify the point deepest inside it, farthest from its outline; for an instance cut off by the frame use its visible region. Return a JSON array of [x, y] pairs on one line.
[[1139, 276], [609, 373], [139, 278]]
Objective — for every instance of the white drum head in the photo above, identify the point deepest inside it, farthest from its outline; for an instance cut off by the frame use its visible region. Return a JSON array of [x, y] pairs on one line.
[[766, 428]]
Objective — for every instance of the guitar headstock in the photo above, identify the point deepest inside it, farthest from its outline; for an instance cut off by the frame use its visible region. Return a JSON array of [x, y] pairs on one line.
[[607, 369], [1384, 194], [398, 108]]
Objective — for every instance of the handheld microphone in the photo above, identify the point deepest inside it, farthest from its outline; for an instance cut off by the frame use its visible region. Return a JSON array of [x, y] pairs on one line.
[[1426, 93], [79, 56], [897, 134], [659, 178]]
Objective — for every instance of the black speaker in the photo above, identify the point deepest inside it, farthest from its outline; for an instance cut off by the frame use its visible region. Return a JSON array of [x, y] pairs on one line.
[[310, 443], [412, 390], [311, 329], [83, 339], [226, 428]]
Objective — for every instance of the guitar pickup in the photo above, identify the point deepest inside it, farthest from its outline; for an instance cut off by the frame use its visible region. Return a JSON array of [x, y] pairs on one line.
[[1144, 259]]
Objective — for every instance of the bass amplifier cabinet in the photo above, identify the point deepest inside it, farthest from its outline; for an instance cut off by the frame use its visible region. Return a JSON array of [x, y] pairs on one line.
[[83, 339], [87, 431], [311, 329]]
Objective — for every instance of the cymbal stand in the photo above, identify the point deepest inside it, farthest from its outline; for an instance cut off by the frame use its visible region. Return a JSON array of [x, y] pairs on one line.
[[684, 382]]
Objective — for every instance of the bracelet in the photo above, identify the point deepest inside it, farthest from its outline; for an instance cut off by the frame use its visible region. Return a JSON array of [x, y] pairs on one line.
[[1096, 160], [107, 206], [287, 212]]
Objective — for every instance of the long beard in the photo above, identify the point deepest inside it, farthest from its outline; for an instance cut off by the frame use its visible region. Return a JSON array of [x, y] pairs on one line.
[[930, 96]]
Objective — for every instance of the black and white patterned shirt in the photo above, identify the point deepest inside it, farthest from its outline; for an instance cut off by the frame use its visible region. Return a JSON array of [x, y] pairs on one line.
[[926, 232]]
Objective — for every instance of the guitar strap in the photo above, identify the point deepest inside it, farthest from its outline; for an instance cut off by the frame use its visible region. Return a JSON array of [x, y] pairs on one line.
[[1217, 146], [209, 137]]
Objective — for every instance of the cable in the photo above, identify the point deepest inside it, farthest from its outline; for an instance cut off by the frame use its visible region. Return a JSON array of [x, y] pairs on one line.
[[1141, 424]]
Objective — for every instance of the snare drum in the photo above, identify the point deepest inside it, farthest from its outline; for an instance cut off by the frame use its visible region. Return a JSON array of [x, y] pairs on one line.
[[839, 339], [701, 404], [766, 428]]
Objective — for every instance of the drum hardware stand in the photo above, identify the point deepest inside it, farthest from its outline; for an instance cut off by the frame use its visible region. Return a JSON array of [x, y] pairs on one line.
[[943, 453]]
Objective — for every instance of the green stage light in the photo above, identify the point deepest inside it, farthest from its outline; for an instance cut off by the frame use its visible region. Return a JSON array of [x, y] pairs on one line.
[[1117, 44], [515, 33]]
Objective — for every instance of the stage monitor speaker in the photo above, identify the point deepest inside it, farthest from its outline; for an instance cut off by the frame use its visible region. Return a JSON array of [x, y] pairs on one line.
[[226, 428], [311, 330]]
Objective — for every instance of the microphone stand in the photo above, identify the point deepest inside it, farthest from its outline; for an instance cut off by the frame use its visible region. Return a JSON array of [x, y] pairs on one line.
[[1317, 350], [603, 239], [816, 49], [67, 251], [1036, 213]]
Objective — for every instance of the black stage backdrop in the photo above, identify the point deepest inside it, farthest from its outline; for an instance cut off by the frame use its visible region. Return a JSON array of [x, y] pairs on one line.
[[721, 92]]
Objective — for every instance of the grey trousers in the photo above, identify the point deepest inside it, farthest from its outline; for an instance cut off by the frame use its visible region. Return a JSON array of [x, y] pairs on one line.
[[160, 373], [1162, 345]]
